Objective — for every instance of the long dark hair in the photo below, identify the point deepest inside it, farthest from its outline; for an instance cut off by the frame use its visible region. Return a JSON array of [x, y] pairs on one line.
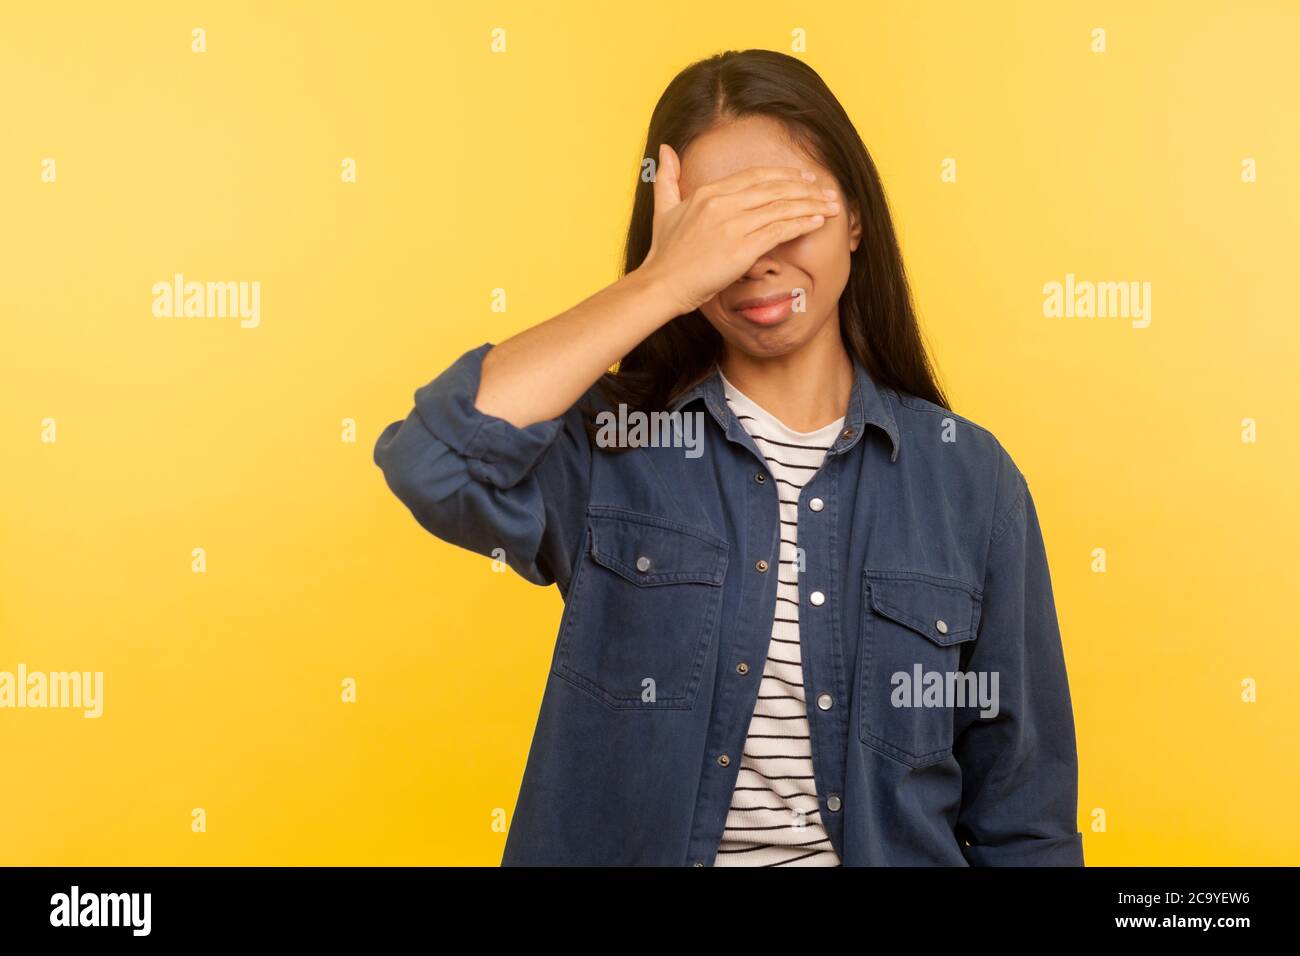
[[877, 319]]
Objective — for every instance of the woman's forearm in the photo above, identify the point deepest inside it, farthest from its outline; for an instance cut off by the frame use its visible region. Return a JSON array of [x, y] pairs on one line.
[[539, 373]]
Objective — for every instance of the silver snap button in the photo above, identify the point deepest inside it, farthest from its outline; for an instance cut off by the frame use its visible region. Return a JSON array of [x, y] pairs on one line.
[[760, 477], [643, 563], [817, 598], [824, 701], [816, 504], [833, 802], [941, 626]]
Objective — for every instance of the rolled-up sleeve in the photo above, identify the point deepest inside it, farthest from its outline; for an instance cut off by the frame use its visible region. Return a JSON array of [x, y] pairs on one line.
[[1020, 767], [484, 484]]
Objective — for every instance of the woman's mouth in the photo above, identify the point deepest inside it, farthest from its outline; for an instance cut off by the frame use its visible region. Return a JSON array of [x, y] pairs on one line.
[[769, 312]]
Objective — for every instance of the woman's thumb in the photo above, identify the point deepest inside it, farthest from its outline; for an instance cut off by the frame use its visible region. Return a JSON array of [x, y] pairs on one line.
[[666, 174]]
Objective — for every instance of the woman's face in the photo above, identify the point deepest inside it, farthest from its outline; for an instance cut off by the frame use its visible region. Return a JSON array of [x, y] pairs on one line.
[[814, 266]]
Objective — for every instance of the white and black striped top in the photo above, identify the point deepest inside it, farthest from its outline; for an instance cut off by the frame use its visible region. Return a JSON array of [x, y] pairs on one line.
[[775, 818]]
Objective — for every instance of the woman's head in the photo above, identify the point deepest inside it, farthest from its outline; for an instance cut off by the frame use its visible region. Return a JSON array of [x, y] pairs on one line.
[[814, 267], [760, 107]]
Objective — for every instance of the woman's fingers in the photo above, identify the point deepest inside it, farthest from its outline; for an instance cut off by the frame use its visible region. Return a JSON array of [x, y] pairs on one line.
[[752, 176], [762, 193], [784, 209], [773, 234]]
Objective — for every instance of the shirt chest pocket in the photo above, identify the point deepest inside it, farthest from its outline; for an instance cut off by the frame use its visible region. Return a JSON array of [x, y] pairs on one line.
[[913, 630], [642, 610]]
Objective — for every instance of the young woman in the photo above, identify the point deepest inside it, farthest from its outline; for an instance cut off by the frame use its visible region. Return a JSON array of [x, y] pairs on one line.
[[810, 624]]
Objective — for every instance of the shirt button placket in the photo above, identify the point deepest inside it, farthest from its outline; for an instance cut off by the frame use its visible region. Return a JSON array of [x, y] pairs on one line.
[[817, 599]]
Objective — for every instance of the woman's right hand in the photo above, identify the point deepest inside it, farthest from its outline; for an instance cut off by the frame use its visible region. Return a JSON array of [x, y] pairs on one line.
[[704, 244]]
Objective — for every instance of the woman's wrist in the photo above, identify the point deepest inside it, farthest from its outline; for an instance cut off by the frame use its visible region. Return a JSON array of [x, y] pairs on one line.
[[658, 292]]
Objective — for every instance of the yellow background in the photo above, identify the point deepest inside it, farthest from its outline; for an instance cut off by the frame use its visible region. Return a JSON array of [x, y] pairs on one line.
[[515, 170]]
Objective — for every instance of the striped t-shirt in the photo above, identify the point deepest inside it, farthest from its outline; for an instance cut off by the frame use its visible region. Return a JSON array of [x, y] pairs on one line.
[[774, 818]]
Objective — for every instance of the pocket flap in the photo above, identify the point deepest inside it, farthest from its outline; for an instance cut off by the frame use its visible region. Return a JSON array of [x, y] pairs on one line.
[[648, 550], [945, 610]]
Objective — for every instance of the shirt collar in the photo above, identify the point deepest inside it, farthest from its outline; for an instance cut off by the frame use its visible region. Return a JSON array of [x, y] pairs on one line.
[[869, 404]]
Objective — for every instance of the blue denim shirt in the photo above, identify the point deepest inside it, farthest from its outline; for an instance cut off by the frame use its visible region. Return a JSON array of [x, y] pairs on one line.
[[923, 561]]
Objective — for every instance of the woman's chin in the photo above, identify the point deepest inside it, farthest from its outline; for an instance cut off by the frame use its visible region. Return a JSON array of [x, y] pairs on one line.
[[768, 341]]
